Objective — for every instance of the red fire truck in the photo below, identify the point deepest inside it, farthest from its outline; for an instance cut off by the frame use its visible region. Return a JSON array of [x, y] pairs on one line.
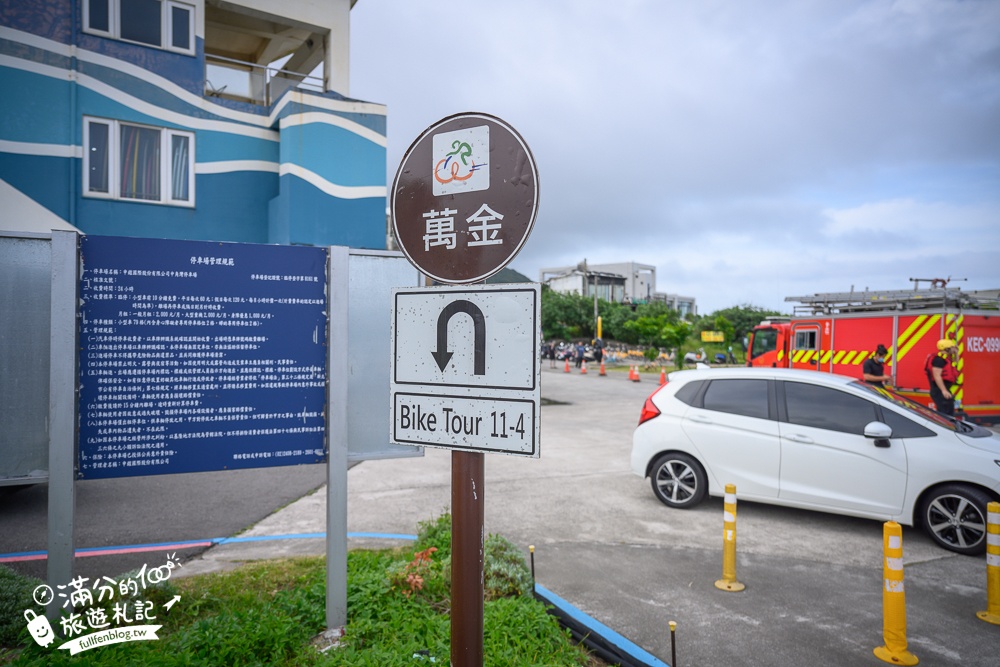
[[837, 332]]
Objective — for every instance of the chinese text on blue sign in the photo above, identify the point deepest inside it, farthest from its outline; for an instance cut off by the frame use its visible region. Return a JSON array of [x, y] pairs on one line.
[[200, 356]]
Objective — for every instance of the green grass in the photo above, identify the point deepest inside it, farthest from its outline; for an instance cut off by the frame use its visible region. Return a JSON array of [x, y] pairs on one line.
[[269, 613]]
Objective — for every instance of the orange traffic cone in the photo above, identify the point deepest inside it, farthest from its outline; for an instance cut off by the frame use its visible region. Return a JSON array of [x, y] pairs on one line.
[[583, 367], [631, 372], [663, 377], [601, 372], [567, 365]]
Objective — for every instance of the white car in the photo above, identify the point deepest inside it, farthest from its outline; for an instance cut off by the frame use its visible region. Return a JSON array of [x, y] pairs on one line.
[[818, 441]]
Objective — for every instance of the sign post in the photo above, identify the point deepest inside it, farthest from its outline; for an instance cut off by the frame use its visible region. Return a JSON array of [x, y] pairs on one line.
[[465, 365]]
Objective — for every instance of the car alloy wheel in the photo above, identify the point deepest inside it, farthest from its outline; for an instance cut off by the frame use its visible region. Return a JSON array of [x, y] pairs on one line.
[[678, 480], [955, 517]]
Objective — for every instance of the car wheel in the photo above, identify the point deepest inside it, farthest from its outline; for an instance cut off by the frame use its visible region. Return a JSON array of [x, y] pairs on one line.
[[955, 517], [678, 481]]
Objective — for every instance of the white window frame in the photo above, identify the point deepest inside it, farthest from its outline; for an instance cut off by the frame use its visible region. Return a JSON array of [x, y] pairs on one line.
[[114, 167], [112, 21], [808, 337], [166, 25]]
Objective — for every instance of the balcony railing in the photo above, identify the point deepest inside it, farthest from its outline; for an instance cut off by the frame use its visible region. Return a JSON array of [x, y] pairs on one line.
[[248, 82]]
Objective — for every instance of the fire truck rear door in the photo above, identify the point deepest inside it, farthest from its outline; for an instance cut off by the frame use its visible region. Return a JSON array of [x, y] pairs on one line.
[[804, 348]]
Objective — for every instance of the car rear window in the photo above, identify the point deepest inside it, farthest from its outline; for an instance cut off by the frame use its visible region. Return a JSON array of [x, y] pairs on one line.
[[739, 397], [827, 408], [689, 392]]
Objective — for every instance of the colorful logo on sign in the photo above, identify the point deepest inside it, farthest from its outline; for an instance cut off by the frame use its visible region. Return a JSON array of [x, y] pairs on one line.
[[460, 160]]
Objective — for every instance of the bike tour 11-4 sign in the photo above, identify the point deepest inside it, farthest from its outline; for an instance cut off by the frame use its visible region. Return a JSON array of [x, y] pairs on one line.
[[465, 368]]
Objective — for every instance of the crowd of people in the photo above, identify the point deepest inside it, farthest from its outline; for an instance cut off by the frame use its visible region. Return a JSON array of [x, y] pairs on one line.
[[942, 375], [575, 352]]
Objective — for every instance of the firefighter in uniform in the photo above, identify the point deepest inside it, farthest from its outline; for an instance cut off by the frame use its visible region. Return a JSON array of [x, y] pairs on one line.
[[942, 376]]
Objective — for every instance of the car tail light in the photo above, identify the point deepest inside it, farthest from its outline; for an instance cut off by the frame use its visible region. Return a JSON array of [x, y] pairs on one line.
[[649, 410]]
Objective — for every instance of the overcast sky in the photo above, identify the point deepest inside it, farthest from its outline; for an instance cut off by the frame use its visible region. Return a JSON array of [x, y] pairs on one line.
[[748, 150]]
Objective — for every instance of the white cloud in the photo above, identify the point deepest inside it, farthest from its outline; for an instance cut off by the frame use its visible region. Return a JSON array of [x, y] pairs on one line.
[[907, 221], [749, 150]]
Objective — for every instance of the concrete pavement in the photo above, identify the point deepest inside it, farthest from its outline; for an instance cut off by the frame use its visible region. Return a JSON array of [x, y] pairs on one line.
[[607, 546]]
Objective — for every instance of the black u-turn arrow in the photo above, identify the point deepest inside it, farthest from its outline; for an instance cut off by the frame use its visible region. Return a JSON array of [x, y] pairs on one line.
[[442, 356]]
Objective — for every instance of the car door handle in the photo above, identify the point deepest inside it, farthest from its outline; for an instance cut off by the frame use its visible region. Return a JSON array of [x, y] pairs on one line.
[[701, 419], [804, 439]]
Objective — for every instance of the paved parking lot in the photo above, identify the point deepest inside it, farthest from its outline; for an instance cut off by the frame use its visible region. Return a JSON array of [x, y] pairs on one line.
[[606, 545]]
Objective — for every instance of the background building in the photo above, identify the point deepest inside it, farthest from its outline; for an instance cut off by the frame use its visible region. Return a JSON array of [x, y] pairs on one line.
[[609, 286], [618, 282], [189, 119]]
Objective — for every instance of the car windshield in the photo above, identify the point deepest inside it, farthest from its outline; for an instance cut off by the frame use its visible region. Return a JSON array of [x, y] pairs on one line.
[[912, 406]]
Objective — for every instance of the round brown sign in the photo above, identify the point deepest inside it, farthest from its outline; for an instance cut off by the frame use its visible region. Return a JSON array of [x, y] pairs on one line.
[[464, 198]]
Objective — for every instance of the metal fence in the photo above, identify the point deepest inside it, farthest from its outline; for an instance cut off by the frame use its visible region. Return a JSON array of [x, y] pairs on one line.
[[235, 79]]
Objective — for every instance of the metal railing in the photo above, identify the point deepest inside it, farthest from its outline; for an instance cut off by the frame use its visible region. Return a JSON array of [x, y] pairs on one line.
[[880, 300], [249, 82]]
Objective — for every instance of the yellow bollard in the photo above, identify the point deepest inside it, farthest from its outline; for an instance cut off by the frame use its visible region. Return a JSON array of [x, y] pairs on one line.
[[673, 643], [531, 548], [992, 613], [728, 581], [893, 599]]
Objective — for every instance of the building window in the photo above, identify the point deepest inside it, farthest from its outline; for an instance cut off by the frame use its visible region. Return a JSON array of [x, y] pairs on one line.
[[165, 24], [137, 162]]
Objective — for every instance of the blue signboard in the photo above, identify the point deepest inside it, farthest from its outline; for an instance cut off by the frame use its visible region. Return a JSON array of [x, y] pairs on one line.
[[198, 356]]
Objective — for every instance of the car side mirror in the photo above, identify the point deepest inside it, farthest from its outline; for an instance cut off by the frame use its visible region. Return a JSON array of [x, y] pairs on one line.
[[878, 432]]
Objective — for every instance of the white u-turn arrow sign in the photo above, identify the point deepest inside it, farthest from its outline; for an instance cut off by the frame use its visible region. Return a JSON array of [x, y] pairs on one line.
[[465, 367]]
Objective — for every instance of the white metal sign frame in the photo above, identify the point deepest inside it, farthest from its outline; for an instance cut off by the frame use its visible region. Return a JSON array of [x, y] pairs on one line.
[[465, 368]]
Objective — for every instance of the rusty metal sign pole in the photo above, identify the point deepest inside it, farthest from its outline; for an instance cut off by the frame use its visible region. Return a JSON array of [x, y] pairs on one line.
[[468, 523], [467, 545]]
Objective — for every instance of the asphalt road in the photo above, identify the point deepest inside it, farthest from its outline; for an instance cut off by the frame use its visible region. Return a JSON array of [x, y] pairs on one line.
[[604, 544], [151, 510]]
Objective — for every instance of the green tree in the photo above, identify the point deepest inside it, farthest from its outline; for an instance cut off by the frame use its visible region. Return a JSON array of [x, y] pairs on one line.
[[744, 318], [666, 330], [673, 336], [613, 319], [566, 316], [657, 309], [726, 327], [644, 330]]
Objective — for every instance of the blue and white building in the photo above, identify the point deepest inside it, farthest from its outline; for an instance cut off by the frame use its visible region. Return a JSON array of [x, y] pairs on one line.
[[223, 120]]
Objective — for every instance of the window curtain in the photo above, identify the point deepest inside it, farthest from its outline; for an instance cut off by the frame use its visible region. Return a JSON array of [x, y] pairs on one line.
[[180, 166], [140, 163]]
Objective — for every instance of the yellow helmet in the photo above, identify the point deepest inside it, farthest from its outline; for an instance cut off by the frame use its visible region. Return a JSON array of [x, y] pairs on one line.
[[946, 344]]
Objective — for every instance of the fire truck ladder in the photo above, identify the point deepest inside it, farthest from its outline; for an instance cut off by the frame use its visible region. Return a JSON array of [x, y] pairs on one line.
[[882, 300]]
